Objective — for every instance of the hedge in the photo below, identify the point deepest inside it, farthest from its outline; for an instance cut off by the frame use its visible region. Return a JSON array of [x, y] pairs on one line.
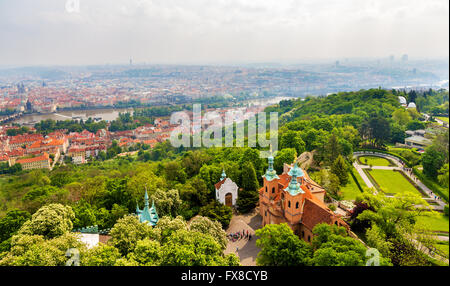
[[386, 152], [356, 180]]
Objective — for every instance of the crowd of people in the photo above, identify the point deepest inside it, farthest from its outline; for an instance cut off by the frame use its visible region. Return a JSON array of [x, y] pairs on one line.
[[235, 236]]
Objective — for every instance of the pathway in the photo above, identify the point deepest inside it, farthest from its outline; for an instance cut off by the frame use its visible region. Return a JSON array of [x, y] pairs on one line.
[[363, 175]]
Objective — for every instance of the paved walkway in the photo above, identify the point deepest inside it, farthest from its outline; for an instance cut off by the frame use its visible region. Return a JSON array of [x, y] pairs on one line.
[[245, 249], [432, 197], [363, 175]]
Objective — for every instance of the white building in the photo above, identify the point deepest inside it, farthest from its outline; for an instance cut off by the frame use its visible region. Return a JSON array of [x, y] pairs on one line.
[[402, 101], [411, 105], [226, 191]]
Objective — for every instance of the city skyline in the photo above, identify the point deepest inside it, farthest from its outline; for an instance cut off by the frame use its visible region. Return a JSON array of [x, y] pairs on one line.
[[56, 32]]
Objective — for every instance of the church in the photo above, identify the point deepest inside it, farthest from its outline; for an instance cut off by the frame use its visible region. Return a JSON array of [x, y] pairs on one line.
[[226, 191], [295, 199]]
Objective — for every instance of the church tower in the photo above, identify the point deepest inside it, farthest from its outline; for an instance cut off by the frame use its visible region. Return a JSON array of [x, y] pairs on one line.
[[271, 181], [269, 191]]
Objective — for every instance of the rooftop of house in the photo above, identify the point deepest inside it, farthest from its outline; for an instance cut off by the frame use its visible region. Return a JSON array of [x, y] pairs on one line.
[[43, 157]]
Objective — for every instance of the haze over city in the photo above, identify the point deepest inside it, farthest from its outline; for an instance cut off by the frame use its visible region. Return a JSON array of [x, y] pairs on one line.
[[53, 32]]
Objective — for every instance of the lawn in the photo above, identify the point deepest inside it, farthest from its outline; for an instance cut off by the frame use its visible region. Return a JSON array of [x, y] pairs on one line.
[[392, 182], [351, 190], [445, 119], [439, 223], [442, 248], [375, 161]]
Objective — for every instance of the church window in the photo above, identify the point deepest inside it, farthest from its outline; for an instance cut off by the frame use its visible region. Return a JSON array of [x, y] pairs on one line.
[[296, 205], [273, 190], [289, 204]]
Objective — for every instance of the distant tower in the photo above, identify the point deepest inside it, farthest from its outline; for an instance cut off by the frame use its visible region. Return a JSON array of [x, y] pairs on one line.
[[391, 58], [405, 58], [28, 105], [20, 88], [131, 62]]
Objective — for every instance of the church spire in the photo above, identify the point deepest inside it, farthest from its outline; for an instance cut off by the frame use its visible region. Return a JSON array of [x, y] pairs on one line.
[[146, 198], [270, 173], [294, 187], [223, 175]]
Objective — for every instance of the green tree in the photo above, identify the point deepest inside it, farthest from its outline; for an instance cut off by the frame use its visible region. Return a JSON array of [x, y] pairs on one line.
[[167, 202], [214, 228], [432, 161], [12, 222], [128, 231], [101, 255], [248, 196], [252, 156], [144, 178], [84, 215], [333, 247], [443, 175], [281, 247], [287, 156], [146, 253], [401, 116], [36, 250], [217, 212], [193, 248], [173, 171], [49, 221], [193, 161], [340, 169], [292, 139], [168, 225], [195, 192]]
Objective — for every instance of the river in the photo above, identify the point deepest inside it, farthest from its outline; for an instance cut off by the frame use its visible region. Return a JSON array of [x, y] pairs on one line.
[[106, 114], [109, 114]]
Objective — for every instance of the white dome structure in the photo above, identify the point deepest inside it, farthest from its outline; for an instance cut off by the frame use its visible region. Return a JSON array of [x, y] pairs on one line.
[[411, 105], [402, 100]]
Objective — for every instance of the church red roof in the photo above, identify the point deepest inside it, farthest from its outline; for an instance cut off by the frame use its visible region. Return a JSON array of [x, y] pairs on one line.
[[313, 214], [219, 184]]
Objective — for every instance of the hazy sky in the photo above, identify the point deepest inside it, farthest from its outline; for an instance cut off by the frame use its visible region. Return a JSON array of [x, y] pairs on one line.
[[209, 31]]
